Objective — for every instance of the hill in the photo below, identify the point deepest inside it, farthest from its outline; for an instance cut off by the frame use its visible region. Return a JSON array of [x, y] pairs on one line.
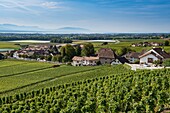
[[17, 28]]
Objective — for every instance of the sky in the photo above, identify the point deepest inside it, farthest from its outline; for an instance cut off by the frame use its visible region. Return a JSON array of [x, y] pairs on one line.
[[107, 16]]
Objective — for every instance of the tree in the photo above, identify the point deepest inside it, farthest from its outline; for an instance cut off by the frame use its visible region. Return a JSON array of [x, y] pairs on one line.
[[59, 58], [65, 59], [157, 62], [69, 51], [166, 43], [78, 50], [88, 50], [123, 51], [61, 40], [62, 51], [48, 58], [1, 56], [104, 43], [166, 63], [56, 58], [54, 50]]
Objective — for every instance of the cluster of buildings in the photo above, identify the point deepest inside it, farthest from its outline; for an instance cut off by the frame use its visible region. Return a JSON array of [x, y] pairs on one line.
[[38, 50], [146, 44], [32, 50], [104, 56], [107, 56]]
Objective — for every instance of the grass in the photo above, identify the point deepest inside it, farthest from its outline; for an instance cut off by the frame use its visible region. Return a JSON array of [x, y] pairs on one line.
[[8, 45], [127, 43]]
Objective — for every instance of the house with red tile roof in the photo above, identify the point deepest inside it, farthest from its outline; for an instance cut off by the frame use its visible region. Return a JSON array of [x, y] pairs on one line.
[[84, 61]]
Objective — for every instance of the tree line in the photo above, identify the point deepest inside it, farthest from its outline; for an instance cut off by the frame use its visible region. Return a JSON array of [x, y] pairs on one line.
[[14, 36], [68, 52], [61, 40]]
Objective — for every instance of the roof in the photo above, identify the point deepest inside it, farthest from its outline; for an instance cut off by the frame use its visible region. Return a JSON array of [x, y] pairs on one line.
[[1, 54], [106, 53], [161, 51], [132, 55], [158, 52], [159, 57], [77, 58], [123, 60]]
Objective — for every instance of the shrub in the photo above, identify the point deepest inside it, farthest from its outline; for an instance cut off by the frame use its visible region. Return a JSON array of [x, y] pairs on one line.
[[55, 66], [69, 63], [166, 63]]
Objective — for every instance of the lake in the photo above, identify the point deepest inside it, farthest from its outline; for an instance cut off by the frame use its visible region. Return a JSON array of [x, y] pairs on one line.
[[5, 50], [109, 41], [100, 41], [30, 41]]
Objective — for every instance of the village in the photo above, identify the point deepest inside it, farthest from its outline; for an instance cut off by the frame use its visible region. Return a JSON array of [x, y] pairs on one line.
[[85, 55]]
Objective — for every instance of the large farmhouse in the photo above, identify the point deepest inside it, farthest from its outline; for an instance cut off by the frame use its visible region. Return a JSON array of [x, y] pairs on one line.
[[154, 55], [106, 56], [84, 61]]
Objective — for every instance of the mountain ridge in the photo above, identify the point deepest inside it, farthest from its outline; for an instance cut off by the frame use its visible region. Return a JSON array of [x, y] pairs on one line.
[[23, 28]]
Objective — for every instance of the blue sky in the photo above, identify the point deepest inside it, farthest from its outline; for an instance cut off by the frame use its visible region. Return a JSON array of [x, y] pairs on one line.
[[96, 15]]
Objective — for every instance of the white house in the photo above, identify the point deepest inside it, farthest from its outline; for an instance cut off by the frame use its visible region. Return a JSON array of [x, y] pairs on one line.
[[84, 61], [154, 55]]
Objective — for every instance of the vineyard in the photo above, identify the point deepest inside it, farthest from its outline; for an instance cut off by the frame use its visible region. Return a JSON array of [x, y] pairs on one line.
[[102, 89], [17, 75], [23, 76]]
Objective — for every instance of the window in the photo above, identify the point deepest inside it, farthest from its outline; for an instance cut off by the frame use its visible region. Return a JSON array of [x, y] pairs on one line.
[[150, 60]]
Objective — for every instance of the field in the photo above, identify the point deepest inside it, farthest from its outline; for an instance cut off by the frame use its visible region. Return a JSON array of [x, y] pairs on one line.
[[8, 45], [19, 76], [106, 89], [126, 43], [98, 45]]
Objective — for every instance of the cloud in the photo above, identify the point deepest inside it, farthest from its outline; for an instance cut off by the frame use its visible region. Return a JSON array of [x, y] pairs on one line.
[[30, 6], [16, 5], [51, 5]]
